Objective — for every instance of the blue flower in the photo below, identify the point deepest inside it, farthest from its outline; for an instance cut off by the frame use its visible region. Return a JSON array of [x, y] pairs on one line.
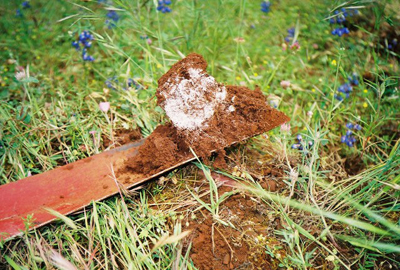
[[353, 79], [26, 4], [296, 146], [291, 31], [348, 138], [132, 83], [112, 82], [18, 13], [113, 18], [87, 44], [266, 6], [112, 14], [85, 39], [340, 31], [85, 36], [302, 144], [338, 97], [86, 56], [75, 44], [345, 89], [392, 44], [163, 6], [340, 19]]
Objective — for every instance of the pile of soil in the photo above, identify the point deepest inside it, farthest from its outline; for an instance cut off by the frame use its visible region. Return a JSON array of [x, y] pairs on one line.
[[215, 246], [205, 115]]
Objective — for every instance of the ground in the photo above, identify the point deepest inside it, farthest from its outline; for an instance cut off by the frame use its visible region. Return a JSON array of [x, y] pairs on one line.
[[321, 192]]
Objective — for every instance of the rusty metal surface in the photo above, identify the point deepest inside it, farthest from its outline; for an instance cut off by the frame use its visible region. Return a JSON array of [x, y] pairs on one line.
[[66, 189]]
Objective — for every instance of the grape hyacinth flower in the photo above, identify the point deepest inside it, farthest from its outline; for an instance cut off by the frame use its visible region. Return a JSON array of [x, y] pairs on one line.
[[163, 6], [266, 6], [348, 138], [85, 40]]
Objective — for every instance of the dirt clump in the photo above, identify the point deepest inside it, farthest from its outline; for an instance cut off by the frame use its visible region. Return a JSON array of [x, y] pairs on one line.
[[205, 116]]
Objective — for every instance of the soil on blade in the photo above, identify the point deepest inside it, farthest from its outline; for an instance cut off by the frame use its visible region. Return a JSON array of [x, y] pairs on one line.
[[206, 116]]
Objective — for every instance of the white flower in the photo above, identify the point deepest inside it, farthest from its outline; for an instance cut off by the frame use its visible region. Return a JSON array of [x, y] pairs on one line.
[[104, 106], [285, 127], [20, 75]]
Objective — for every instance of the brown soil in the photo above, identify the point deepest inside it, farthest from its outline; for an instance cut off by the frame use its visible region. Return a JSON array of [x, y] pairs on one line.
[[121, 137], [215, 246], [242, 114]]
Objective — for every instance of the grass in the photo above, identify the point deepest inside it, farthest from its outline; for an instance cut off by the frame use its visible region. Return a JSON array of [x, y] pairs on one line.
[[349, 195]]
